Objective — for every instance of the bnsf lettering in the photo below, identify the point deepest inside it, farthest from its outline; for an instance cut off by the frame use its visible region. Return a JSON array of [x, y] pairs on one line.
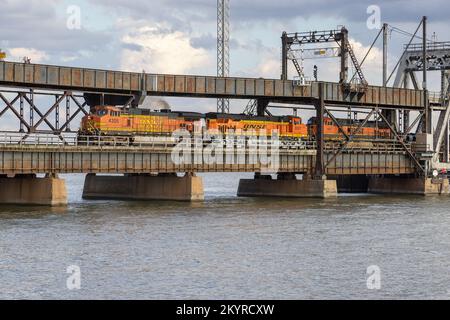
[[150, 121], [254, 126]]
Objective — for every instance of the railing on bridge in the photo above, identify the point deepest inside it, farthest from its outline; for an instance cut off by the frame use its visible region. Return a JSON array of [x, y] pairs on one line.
[[13, 139], [436, 97], [163, 142], [445, 45]]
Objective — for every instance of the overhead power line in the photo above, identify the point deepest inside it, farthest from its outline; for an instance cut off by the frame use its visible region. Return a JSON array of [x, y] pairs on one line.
[[406, 33]]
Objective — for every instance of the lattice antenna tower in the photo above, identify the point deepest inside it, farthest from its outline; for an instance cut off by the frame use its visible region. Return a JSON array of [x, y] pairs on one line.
[[223, 48]]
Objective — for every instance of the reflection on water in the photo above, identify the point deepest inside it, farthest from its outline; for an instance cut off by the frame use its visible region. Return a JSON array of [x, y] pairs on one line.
[[227, 247]]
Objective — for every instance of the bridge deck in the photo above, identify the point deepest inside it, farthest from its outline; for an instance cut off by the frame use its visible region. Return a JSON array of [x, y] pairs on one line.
[[28, 159], [115, 82]]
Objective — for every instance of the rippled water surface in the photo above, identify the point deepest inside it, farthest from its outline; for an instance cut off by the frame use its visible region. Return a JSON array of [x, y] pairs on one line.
[[227, 247]]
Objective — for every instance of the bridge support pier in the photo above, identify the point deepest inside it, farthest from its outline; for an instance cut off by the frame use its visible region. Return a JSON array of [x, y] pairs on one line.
[[31, 190], [144, 187], [286, 185], [401, 185]]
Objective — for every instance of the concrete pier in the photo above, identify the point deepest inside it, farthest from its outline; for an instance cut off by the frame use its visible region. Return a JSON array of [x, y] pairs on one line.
[[144, 187], [399, 185], [265, 186], [31, 190]]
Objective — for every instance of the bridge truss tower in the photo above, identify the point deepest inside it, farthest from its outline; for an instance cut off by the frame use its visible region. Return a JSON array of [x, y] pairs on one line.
[[438, 59]]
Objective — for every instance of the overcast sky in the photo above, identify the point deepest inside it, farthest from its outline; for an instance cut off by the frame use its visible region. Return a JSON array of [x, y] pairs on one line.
[[179, 36]]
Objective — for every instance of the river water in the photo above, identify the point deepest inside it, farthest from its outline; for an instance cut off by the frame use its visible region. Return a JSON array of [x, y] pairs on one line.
[[228, 247]]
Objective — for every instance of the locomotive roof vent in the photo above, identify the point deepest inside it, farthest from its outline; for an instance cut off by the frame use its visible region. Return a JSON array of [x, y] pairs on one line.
[[155, 105], [161, 105]]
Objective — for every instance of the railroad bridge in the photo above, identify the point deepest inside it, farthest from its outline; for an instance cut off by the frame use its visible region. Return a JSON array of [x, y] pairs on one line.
[[48, 101]]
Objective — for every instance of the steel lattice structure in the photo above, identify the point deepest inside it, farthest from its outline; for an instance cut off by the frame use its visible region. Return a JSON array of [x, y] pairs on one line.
[[294, 42], [438, 59], [52, 117], [223, 48]]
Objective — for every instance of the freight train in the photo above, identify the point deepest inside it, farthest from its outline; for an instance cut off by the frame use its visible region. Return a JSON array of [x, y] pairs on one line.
[[136, 123]]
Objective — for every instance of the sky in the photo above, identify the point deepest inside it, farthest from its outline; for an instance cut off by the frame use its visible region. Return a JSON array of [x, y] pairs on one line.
[[179, 36]]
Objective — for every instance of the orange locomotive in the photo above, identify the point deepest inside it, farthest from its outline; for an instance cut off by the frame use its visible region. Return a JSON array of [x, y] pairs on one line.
[[331, 131], [113, 121], [107, 120], [287, 127]]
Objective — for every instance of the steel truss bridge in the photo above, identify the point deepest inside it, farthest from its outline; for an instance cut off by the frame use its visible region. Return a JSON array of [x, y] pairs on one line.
[[46, 100]]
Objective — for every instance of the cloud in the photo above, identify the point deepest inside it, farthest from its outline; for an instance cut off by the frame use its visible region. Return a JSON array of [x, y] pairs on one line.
[[206, 41], [158, 50], [186, 11], [42, 25], [36, 56], [372, 67]]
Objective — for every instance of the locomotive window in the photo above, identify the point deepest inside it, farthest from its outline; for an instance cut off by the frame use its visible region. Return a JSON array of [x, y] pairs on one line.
[[101, 112]]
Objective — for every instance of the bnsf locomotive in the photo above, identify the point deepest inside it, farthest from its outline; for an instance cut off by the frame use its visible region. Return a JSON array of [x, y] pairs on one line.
[[134, 123]]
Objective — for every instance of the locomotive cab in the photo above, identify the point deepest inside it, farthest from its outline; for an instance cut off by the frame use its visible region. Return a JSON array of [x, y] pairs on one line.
[[298, 129], [92, 123], [101, 111]]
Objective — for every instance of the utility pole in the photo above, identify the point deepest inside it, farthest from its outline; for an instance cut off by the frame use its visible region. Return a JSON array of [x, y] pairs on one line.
[[427, 127], [284, 56], [343, 76], [385, 46], [223, 48]]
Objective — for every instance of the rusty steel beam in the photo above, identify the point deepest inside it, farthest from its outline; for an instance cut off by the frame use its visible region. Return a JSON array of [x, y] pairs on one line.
[[128, 83]]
